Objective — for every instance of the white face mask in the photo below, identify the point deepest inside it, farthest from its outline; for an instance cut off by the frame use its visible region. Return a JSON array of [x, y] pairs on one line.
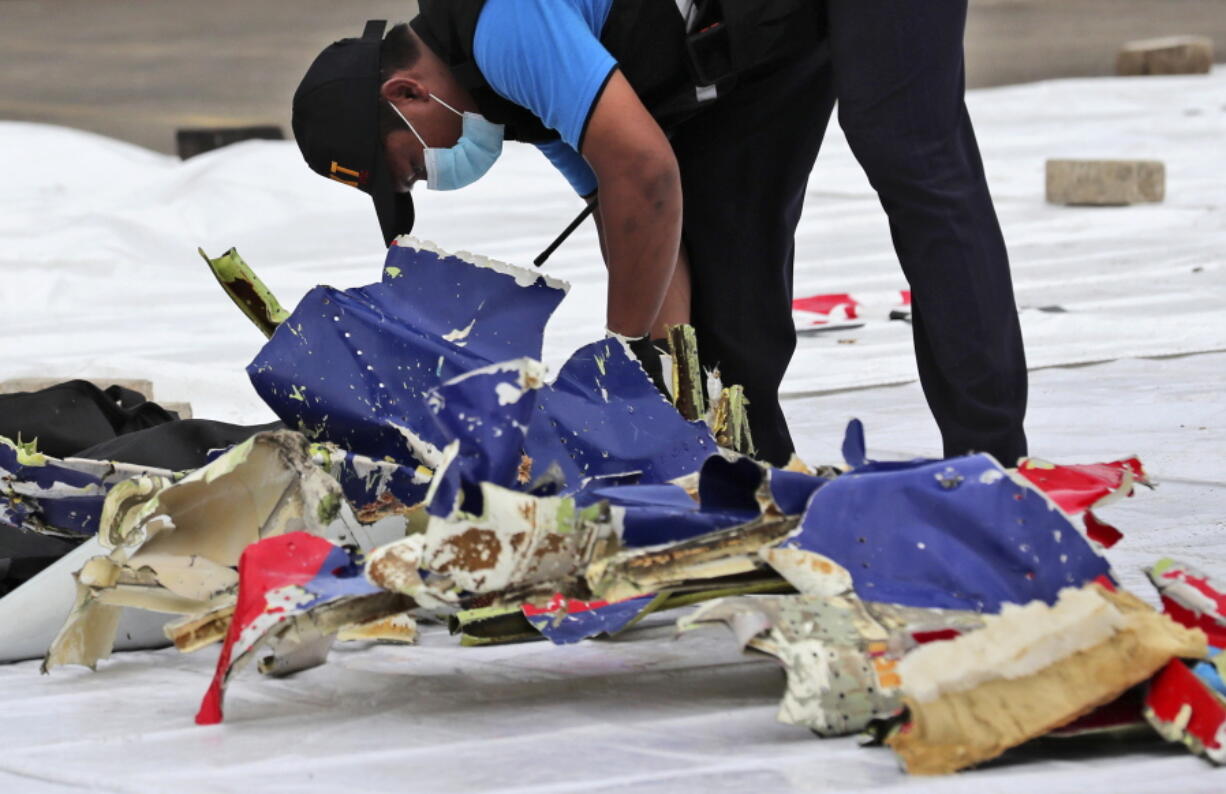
[[452, 168]]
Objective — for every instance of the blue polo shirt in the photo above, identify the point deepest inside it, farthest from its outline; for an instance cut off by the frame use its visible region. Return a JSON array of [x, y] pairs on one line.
[[546, 56]]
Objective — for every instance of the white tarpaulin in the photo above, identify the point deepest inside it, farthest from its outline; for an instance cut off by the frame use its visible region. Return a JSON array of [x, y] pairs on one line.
[[101, 277]]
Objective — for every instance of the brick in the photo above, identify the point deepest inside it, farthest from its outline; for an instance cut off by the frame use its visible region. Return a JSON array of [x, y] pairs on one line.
[[1105, 182], [1169, 55], [184, 410]]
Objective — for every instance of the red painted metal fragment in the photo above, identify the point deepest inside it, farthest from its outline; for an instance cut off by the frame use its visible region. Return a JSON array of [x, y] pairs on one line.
[[1100, 531], [922, 637], [843, 303], [1195, 620], [560, 602], [270, 564], [1077, 488], [1182, 707], [1191, 598]]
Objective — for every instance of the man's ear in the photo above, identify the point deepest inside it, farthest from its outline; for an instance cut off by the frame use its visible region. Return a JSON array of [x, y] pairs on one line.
[[403, 88]]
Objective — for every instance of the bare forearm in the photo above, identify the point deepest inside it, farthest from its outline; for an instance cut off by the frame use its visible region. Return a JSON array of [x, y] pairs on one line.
[[640, 217]]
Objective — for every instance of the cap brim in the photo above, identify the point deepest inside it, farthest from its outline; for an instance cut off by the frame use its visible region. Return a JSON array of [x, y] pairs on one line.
[[395, 210]]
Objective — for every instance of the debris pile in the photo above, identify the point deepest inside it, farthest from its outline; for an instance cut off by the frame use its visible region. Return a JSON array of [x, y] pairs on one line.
[[952, 609]]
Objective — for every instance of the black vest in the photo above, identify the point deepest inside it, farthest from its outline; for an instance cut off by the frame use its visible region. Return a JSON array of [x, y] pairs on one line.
[[674, 74]]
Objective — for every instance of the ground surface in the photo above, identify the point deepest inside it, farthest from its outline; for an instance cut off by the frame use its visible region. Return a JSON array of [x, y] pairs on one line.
[[100, 276], [138, 69]]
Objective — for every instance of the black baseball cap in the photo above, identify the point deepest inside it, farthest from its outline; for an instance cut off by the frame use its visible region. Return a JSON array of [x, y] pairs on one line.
[[336, 124]]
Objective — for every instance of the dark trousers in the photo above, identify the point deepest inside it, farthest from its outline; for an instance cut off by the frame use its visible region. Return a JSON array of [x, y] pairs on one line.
[[896, 69]]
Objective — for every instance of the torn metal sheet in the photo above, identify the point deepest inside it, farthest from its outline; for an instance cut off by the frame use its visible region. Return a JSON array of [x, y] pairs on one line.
[[563, 621], [31, 615], [730, 421], [247, 291], [739, 485], [1183, 708], [826, 312], [726, 492], [1030, 670], [54, 496], [361, 368], [1191, 597], [810, 573], [485, 535], [827, 645], [173, 546], [399, 629], [374, 489], [603, 417], [518, 543], [688, 384], [652, 514], [193, 632], [354, 366], [840, 653], [492, 625], [483, 416], [1079, 488], [709, 557], [974, 536], [568, 620], [295, 592]]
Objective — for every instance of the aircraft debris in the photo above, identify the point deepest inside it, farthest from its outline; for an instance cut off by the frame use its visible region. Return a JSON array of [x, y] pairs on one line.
[[977, 536], [295, 592], [1182, 707], [711, 557], [518, 543], [54, 496], [951, 604], [840, 653], [353, 367], [1191, 598], [247, 291], [688, 384], [173, 545], [1031, 669], [1079, 488]]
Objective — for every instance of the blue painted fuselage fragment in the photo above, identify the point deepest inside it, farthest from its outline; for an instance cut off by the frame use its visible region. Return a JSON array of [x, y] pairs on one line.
[[954, 534], [656, 514], [369, 369], [728, 492], [792, 490], [564, 627], [602, 416], [62, 497], [352, 366], [367, 483], [485, 414]]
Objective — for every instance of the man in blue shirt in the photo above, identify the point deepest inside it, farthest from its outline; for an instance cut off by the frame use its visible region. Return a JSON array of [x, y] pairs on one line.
[[695, 123]]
